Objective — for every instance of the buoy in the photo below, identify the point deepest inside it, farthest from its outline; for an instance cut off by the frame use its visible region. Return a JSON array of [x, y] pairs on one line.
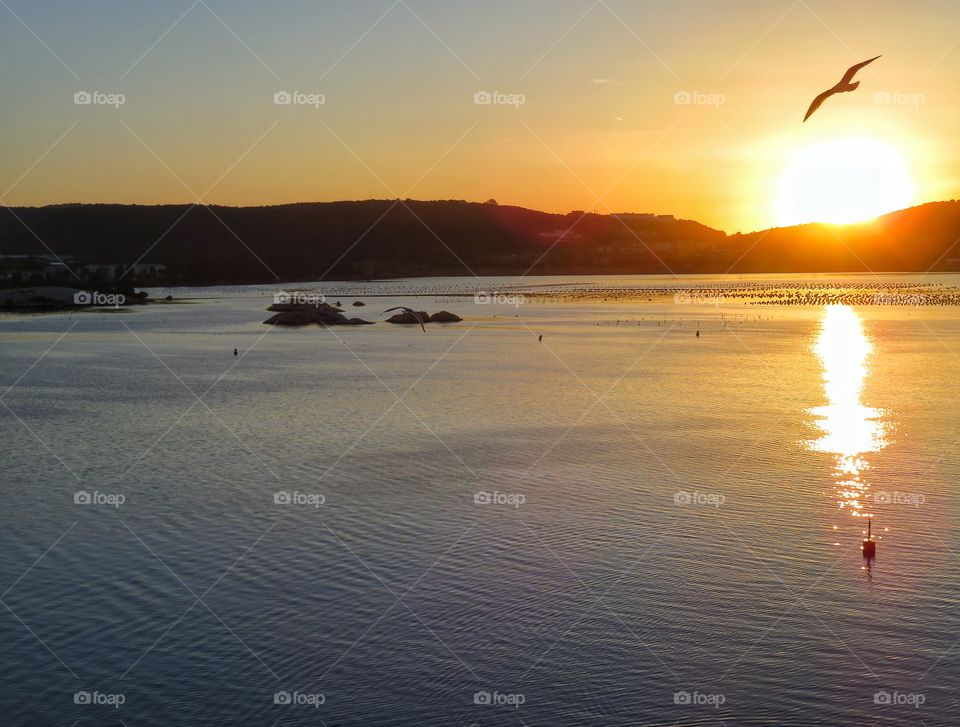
[[869, 545]]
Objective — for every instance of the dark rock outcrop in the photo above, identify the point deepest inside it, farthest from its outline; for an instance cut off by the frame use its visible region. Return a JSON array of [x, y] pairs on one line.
[[304, 314], [417, 318], [445, 317]]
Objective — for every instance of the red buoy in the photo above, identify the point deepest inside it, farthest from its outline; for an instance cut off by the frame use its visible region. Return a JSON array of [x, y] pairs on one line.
[[869, 545]]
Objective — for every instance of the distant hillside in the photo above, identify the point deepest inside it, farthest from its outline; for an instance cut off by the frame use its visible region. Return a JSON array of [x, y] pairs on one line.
[[386, 238], [917, 239]]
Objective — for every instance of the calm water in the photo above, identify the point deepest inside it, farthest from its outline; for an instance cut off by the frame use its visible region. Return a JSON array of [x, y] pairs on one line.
[[673, 515]]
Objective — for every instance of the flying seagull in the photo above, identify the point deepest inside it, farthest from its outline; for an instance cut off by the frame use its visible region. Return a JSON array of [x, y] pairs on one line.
[[844, 86], [411, 312]]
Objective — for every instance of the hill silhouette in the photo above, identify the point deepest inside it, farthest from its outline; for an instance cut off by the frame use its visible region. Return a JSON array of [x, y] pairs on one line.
[[389, 238]]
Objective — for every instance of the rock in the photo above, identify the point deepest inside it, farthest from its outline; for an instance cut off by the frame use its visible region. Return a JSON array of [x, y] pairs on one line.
[[302, 307], [289, 318], [410, 318], [445, 317], [358, 303], [304, 314]]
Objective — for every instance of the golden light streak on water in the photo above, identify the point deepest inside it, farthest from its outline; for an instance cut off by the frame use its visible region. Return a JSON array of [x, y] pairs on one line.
[[850, 429]]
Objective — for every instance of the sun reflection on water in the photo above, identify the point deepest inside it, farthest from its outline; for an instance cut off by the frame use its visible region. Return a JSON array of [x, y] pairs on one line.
[[850, 429]]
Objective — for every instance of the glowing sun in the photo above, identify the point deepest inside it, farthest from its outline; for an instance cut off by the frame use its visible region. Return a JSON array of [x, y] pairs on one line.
[[843, 181]]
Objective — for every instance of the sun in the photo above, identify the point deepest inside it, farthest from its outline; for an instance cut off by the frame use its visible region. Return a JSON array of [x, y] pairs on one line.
[[842, 181]]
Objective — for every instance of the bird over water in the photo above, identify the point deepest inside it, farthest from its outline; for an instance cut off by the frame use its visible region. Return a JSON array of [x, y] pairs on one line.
[[844, 86]]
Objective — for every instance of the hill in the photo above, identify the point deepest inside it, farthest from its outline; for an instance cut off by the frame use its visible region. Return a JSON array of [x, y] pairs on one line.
[[186, 244]]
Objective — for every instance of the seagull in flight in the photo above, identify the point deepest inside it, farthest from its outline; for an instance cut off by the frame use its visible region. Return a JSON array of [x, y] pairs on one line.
[[411, 312], [844, 86]]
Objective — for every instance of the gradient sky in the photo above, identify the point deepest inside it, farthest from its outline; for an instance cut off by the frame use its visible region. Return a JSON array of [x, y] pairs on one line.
[[399, 118]]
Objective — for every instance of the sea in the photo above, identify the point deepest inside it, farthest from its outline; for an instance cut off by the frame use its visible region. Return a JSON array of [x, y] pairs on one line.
[[594, 501]]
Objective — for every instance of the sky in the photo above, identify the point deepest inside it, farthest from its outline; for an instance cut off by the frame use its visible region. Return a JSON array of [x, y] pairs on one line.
[[691, 108]]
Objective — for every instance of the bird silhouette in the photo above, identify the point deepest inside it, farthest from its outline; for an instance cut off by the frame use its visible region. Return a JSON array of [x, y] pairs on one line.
[[844, 86], [411, 312]]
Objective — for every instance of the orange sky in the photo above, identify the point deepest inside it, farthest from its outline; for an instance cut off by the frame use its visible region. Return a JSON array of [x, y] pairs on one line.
[[599, 126]]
